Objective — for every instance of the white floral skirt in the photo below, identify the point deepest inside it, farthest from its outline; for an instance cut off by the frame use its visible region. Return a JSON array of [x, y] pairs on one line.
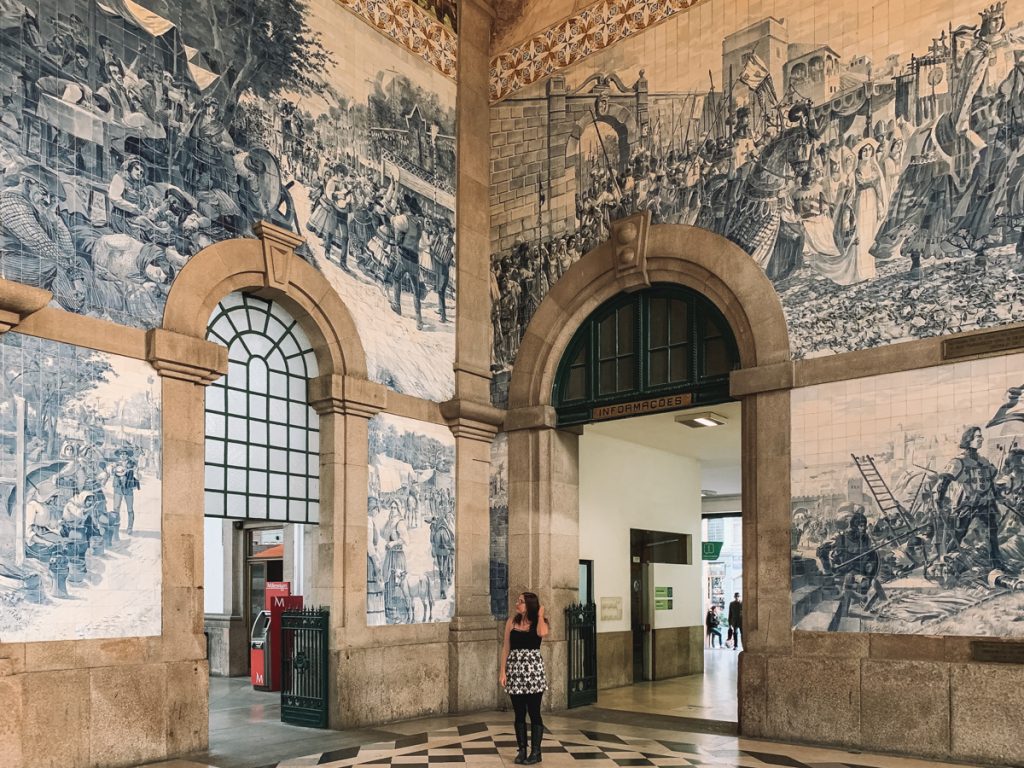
[[524, 672]]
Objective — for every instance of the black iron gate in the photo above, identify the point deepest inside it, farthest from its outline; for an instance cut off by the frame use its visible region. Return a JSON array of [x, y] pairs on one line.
[[581, 633], [304, 667]]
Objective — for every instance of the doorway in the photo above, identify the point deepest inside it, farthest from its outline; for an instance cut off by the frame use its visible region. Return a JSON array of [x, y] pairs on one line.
[[645, 483]]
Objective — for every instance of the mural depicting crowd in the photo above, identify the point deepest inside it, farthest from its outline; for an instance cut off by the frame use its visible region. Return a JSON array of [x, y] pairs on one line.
[[885, 200], [79, 493], [410, 559], [133, 136], [914, 523]]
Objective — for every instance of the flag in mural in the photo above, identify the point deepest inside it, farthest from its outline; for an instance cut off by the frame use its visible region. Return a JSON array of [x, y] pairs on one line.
[[880, 188]]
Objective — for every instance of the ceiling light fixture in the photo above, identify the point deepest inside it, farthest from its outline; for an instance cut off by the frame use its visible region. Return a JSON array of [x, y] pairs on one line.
[[697, 420]]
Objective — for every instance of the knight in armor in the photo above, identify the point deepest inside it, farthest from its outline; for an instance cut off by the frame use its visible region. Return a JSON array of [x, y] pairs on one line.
[[851, 557], [967, 492]]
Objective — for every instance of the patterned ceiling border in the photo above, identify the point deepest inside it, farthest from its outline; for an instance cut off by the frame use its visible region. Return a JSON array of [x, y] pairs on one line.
[[412, 27], [567, 42]]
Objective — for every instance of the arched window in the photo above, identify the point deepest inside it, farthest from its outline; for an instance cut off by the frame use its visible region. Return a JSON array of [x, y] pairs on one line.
[[667, 340], [262, 437]]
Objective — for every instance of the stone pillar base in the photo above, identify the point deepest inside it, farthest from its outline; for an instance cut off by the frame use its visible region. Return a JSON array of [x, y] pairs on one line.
[[473, 664]]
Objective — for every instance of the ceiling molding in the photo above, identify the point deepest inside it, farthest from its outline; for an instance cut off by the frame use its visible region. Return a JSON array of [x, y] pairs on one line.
[[582, 34]]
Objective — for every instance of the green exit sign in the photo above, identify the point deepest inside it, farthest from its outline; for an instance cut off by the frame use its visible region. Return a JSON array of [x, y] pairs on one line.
[[710, 550]]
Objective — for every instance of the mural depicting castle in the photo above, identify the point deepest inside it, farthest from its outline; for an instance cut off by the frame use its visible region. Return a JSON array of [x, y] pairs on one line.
[[133, 135], [410, 558], [79, 493], [882, 193], [908, 502]]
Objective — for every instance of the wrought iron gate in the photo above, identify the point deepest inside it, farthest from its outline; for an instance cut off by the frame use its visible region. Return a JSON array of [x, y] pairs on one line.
[[304, 667], [581, 634]]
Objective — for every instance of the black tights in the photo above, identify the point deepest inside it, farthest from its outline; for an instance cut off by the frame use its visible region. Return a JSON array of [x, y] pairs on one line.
[[527, 702]]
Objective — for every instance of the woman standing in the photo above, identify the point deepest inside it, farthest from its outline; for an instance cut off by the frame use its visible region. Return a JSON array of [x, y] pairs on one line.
[[522, 672]]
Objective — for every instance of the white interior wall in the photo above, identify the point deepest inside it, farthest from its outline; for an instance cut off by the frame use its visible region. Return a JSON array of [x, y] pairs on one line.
[[624, 485], [214, 598]]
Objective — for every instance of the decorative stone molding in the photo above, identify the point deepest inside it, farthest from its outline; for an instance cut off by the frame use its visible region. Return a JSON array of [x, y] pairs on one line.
[[472, 420], [18, 301], [763, 378], [532, 417], [413, 28], [346, 396], [629, 236], [584, 33], [186, 358], [279, 246]]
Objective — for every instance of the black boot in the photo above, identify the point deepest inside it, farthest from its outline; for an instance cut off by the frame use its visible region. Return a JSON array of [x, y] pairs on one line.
[[520, 743], [536, 734]]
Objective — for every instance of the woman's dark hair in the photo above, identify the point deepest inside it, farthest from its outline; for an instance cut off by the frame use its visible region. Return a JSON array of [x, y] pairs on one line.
[[532, 611]]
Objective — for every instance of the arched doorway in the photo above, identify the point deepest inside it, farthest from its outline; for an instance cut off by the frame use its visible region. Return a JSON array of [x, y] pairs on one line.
[[636, 382], [544, 477], [288, 306]]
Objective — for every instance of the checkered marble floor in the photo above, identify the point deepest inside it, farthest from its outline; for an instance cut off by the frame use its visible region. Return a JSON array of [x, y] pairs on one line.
[[486, 744]]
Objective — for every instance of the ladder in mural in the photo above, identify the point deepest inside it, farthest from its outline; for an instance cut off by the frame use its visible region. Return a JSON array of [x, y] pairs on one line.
[[883, 496]]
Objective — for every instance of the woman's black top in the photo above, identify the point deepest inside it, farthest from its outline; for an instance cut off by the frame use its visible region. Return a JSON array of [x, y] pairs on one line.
[[521, 640]]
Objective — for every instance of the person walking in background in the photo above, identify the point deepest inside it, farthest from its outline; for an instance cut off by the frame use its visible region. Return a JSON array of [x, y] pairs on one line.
[[736, 620], [711, 625], [522, 672]]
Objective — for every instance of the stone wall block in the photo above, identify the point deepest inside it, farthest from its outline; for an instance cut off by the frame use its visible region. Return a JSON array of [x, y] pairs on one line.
[[814, 699], [128, 708], [986, 720], [752, 697], [614, 659], [188, 696], [908, 647], [365, 695], [905, 706], [11, 724], [57, 719], [847, 645]]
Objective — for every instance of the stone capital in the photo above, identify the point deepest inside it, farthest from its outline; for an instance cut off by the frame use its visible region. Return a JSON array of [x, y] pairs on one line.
[[346, 396], [186, 358], [532, 417], [472, 420], [18, 301], [279, 246]]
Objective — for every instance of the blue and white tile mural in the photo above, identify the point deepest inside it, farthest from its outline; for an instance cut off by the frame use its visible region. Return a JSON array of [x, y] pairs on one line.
[[410, 558], [872, 166], [79, 493], [908, 502], [498, 505], [133, 135]]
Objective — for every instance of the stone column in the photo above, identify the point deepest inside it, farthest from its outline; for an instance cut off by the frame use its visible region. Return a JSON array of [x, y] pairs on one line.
[[543, 526], [345, 405], [472, 658], [186, 365]]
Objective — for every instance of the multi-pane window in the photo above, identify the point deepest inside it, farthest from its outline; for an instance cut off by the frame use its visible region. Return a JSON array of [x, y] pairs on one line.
[[262, 437], [667, 340]]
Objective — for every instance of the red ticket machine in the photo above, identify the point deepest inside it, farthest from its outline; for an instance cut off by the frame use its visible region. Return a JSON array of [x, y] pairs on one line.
[[265, 643]]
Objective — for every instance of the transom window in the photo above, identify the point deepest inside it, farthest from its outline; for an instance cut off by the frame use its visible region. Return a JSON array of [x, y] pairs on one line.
[[262, 437], [665, 340]]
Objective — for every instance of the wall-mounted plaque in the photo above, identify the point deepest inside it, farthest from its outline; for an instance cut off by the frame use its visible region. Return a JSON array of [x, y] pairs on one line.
[[611, 609], [1000, 653]]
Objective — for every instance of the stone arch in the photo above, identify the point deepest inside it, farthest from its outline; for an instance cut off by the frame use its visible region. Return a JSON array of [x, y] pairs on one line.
[[621, 121], [269, 268], [676, 253], [544, 473]]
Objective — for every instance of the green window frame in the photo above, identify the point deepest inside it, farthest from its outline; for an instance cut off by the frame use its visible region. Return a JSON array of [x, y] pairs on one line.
[[666, 340], [262, 436]]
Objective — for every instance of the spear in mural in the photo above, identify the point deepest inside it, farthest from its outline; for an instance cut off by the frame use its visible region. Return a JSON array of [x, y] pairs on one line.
[[607, 160]]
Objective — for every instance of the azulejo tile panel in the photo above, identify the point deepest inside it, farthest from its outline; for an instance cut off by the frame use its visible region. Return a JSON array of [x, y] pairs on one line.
[[428, 35], [591, 30]]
